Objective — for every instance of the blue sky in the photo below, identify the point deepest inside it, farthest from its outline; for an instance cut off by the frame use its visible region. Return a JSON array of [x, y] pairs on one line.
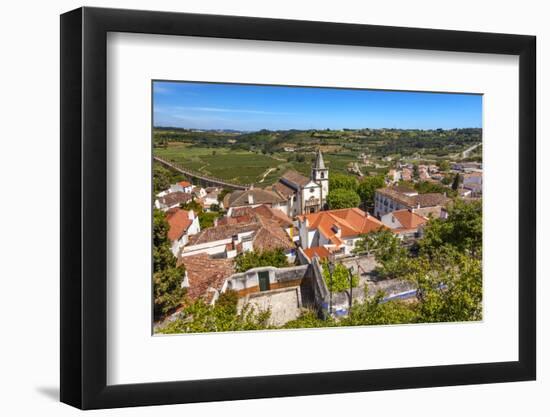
[[255, 107]]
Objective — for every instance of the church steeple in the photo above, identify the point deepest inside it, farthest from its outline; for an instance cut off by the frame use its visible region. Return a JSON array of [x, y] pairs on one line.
[[319, 174], [319, 163]]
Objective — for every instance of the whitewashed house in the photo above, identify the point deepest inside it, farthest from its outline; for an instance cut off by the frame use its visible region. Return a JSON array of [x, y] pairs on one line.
[[336, 230], [183, 224], [405, 223], [182, 186]]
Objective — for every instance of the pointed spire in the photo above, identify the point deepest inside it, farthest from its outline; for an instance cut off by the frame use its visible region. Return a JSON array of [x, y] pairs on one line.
[[319, 163]]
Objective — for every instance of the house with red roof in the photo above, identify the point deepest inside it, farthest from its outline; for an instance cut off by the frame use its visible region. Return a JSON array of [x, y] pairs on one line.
[[205, 276], [257, 233], [336, 230], [182, 224], [182, 186], [405, 222]]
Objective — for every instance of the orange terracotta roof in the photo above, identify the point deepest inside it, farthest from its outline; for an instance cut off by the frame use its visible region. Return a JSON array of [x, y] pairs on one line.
[[185, 183], [408, 219], [179, 222], [351, 222], [204, 272], [319, 251]]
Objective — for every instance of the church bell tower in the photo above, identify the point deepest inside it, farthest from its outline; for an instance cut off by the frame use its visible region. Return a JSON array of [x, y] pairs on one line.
[[319, 174]]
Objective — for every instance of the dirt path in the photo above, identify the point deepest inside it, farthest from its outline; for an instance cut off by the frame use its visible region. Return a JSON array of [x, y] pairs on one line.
[[267, 173]]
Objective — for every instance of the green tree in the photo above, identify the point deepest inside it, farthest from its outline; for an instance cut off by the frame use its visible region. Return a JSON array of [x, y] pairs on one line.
[[167, 278], [207, 219], [222, 194], [342, 198], [309, 319], [192, 205], [444, 165], [463, 230], [424, 187], [376, 311], [249, 260], [215, 207], [447, 179], [340, 278], [387, 250], [342, 181], [200, 317], [163, 178], [449, 286], [456, 182], [367, 188]]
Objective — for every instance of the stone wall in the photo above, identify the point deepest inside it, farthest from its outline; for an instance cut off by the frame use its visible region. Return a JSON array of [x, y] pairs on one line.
[[247, 282], [319, 288]]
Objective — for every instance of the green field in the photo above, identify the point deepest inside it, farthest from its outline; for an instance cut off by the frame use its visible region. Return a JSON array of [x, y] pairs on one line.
[[261, 157], [243, 167]]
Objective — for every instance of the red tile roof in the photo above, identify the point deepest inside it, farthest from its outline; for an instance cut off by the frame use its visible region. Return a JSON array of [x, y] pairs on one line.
[[204, 272], [267, 234], [408, 219], [271, 236], [185, 183], [319, 251], [351, 222], [175, 198], [179, 222]]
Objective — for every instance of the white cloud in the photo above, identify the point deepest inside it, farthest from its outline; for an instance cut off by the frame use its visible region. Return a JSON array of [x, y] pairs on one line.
[[230, 110]]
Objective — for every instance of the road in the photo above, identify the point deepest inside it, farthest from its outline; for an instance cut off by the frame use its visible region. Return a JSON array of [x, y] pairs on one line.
[[470, 149]]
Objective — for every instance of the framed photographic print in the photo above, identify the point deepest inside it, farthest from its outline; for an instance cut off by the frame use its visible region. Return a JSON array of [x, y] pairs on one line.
[[257, 208]]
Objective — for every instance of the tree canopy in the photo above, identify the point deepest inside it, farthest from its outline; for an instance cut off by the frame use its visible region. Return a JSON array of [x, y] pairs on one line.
[[249, 260], [387, 249], [342, 181], [167, 278], [200, 317], [463, 229], [340, 278], [367, 188], [342, 198]]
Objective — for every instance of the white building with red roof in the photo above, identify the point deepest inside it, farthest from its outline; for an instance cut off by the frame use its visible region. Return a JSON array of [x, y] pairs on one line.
[[405, 222], [182, 186], [182, 224], [336, 230]]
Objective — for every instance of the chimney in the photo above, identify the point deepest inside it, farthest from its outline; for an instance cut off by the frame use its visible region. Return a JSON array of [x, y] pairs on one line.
[[250, 199]]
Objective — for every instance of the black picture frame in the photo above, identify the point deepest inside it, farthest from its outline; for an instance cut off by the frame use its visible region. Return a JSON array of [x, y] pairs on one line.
[[84, 207]]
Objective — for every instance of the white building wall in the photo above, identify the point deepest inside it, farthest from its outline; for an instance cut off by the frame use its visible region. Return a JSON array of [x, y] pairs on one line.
[[389, 220]]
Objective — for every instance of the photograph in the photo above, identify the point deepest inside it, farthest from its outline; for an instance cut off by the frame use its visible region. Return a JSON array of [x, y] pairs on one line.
[[290, 207]]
